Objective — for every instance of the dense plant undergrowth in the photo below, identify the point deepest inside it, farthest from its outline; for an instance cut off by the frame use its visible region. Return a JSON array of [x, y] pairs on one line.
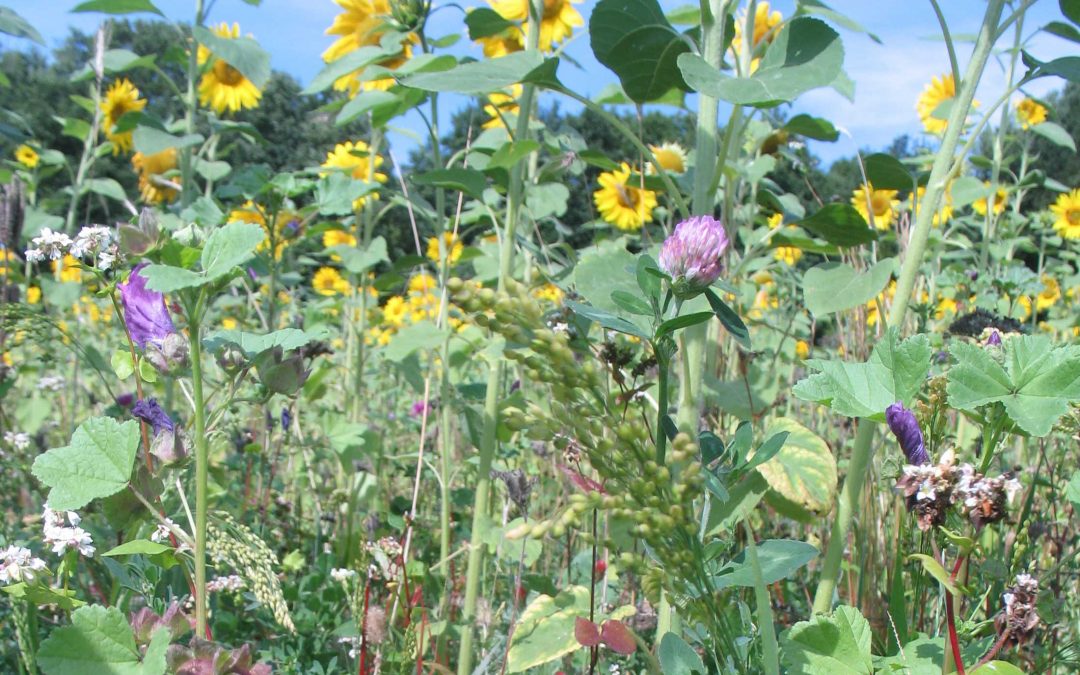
[[355, 416]]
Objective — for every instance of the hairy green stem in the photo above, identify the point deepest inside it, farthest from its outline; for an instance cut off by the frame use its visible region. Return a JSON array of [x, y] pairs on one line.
[[201, 470], [862, 452]]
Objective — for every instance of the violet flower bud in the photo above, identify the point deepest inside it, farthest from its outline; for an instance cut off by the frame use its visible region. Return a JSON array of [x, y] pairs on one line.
[[994, 340], [691, 255], [905, 427], [145, 312], [167, 444]]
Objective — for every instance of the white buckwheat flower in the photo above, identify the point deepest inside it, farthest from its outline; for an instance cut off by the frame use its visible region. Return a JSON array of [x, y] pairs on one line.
[[48, 245], [20, 440], [17, 564], [342, 575], [62, 538]]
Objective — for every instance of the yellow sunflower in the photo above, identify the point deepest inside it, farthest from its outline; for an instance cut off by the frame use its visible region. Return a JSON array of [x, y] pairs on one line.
[[670, 156], [872, 313], [328, 281], [121, 98], [422, 283], [33, 295], [1001, 199], [355, 159], [27, 156], [764, 24], [500, 105], [333, 238], [945, 306], [944, 212], [556, 25], [1049, 295], [451, 244], [154, 185], [68, 270], [1030, 112], [394, 311], [940, 90], [1067, 210], [625, 206], [362, 23], [883, 203], [223, 87]]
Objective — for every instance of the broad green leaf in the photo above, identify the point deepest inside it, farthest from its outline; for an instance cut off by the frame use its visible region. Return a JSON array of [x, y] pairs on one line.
[[151, 141], [96, 464], [886, 172], [634, 39], [1036, 383], [510, 153], [485, 22], [545, 630], [996, 668], [805, 55], [42, 594], [13, 24], [835, 287], [106, 187], [469, 181], [359, 261], [804, 471], [935, 569], [138, 547], [99, 641], [122, 364], [631, 303], [834, 644], [351, 62], [364, 103], [242, 53], [812, 127], [253, 344], [229, 246], [1054, 133], [118, 7], [546, 199], [779, 559], [479, 77], [420, 335], [603, 270], [607, 320], [336, 193], [922, 656], [678, 658], [166, 278], [1072, 489], [967, 189], [682, 321], [840, 224]]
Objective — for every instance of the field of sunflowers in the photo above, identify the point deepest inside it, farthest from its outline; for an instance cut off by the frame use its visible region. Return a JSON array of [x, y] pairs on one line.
[[615, 383]]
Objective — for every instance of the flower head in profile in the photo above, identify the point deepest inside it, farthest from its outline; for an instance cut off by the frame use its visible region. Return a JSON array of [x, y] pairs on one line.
[[222, 87], [27, 156], [905, 428], [1067, 212], [145, 313], [357, 161], [1001, 200], [878, 207], [625, 206], [670, 156], [765, 23], [502, 105], [364, 23], [155, 183], [940, 90], [1030, 112], [691, 255], [121, 99], [556, 25]]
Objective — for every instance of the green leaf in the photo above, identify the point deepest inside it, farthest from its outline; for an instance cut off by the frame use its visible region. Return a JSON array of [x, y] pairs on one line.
[[1063, 30], [895, 372], [99, 641], [1072, 489], [96, 464], [835, 287], [1054, 133], [886, 172], [351, 62], [934, 569], [967, 189], [996, 668], [510, 153], [107, 187], [242, 53], [921, 656], [729, 318], [469, 181], [166, 278], [634, 39], [118, 7], [138, 547], [678, 658], [779, 559], [364, 103], [545, 630], [601, 271], [13, 24], [1036, 383], [359, 261], [546, 199], [805, 55], [834, 644], [1071, 10], [812, 127], [485, 22], [804, 470], [40, 594], [229, 246], [420, 335], [631, 303], [335, 193], [122, 364], [479, 77], [839, 224], [253, 344], [151, 141], [683, 321], [607, 320]]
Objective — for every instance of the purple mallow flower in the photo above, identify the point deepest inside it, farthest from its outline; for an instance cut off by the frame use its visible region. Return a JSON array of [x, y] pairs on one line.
[[905, 427], [691, 255], [167, 444], [145, 312]]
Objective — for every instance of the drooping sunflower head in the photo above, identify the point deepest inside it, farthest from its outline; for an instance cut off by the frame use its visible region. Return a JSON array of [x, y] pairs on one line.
[[556, 25], [355, 159], [1067, 212], [1030, 112], [765, 23], [158, 181], [670, 156], [121, 98], [27, 156], [626, 206], [1001, 200], [934, 95], [507, 42], [222, 87], [451, 247], [878, 207]]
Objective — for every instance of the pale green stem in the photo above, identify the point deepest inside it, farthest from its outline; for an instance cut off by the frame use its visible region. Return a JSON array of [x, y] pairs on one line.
[[201, 468], [862, 452], [187, 173], [86, 161], [769, 650], [488, 439]]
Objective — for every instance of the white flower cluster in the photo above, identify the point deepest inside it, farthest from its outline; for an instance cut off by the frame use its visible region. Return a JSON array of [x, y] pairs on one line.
[[63, 537], [18, 564], [93, 241], [230, 583], [51, 382], [341, 574], [20, 440]]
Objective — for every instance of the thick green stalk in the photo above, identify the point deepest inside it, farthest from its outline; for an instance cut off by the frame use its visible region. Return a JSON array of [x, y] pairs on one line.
[[862, 452], [187, 165], [86, 161], [488, 439], [201, 472]]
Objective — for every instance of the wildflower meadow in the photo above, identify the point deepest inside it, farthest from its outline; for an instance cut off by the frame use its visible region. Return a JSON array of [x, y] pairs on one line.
[[625, 380]]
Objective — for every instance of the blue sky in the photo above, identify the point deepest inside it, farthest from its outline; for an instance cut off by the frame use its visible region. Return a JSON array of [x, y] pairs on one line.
[[888, 76]]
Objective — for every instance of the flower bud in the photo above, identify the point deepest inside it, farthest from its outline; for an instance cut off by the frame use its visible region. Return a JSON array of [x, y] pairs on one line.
[[691, 255], [279, 373], [905, 427]]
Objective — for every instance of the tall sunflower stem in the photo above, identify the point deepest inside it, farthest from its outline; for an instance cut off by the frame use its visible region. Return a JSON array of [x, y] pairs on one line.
[[187, 154], [862, 452]]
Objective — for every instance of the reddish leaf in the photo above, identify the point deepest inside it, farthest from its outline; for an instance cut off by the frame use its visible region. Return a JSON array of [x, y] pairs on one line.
[[583, 483], [616, 635], [586, 632]]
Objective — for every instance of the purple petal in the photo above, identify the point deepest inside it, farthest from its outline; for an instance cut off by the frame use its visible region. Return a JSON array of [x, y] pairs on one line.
[[691, 255], [905, 427], [145, 312], [150, 412]]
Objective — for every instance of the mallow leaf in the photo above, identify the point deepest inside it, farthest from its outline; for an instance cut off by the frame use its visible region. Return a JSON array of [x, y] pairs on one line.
[[99, 641], [834, 644], [96, 464]]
